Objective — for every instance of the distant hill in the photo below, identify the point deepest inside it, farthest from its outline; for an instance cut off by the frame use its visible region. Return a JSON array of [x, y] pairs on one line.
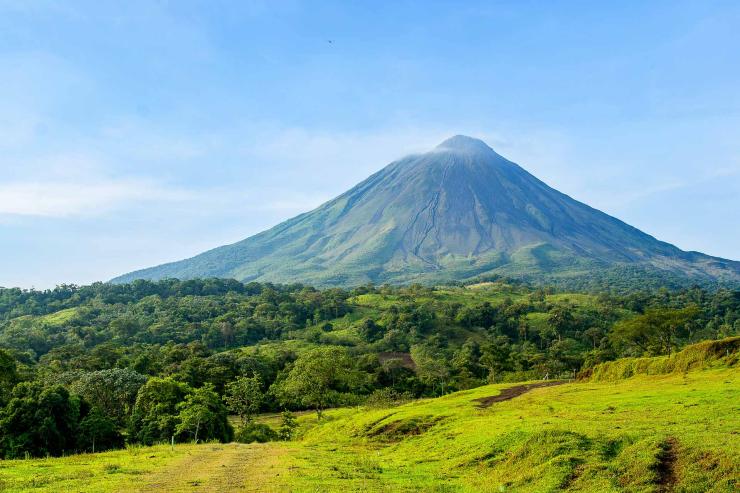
[[456, 213]]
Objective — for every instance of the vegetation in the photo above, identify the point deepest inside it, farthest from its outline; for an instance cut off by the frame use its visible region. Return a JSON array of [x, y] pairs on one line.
[[202, 415], [94, 367], [669, 432], [725, 352], [317, 379], [244, 397]]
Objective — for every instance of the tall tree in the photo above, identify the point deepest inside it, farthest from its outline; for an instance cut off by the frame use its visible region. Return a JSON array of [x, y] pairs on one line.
[[112, 391], [244, 397], [203, 416], [316, 379], [655, 331], [430, 367], [98, 432], [38, 421], [8, 375], [496, 356], [155, 415]]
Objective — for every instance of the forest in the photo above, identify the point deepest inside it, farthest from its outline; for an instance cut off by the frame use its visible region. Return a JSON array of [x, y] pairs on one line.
[[97, 367]]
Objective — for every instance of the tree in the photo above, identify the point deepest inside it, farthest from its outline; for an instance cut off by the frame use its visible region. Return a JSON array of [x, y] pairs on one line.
[[465, 363], [98, 432], [655, 331], [560, 320], [288, 426], [566, 355], [244, 397], [38, 421], [203, 416], [370, 331], [8, 375], [496, 356], [316, 379], [594, 335], [112, 391], [430, 367], [155, 414]]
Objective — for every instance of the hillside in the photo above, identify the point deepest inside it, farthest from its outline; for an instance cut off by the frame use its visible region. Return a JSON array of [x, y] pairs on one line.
[[648, 433], [458, 212]]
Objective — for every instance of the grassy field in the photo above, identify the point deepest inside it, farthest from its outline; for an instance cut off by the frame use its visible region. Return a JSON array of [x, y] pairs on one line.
[[677, 431], [205, 467]]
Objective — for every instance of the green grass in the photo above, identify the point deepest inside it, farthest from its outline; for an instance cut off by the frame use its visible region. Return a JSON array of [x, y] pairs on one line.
[[576, 437], [492, 292], [578, 299], [59, 318], [87, 472], [206, 467]]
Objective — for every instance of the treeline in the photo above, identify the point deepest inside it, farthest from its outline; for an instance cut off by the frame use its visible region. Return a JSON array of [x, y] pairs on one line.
[[93, 367]]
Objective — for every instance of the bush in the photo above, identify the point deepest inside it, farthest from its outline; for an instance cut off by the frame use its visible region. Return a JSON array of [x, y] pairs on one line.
[[255, 432], [387, 397]]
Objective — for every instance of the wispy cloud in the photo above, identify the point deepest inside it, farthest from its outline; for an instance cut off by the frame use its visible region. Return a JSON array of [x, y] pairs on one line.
[[88, 198], [620, 199]]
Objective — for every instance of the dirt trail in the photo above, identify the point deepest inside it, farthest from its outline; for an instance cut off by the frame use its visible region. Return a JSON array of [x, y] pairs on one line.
[[511, 392], [667, 466], [219, 468]]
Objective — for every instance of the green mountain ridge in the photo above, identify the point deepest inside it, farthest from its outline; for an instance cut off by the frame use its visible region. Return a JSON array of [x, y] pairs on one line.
[[456, 213]]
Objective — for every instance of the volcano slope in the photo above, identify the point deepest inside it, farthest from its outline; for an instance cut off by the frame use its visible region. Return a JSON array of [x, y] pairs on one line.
[[458, 212], [671, 425]]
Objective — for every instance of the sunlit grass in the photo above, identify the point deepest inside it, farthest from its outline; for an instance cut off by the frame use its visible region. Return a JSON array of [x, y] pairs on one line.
[[582, 436]]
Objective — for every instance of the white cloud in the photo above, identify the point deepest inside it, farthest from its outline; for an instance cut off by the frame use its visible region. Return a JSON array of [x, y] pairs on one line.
[[88, 198]]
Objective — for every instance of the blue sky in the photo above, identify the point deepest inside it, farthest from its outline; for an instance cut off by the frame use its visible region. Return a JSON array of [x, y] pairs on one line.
[[134, 133]]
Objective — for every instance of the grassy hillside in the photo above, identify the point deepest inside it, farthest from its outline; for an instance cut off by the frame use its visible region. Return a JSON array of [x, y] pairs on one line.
[[634, 435], [722, 353], [660, 432]]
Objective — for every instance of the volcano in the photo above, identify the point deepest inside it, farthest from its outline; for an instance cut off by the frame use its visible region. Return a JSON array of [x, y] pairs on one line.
[[456, 213]]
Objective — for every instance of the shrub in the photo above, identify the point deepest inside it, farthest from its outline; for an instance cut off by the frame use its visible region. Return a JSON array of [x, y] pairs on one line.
[[387, 397], [255, 432]]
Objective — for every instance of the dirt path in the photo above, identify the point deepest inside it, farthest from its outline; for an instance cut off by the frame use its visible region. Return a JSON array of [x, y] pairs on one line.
[[219, 468], [667, 466], [511, 392]]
